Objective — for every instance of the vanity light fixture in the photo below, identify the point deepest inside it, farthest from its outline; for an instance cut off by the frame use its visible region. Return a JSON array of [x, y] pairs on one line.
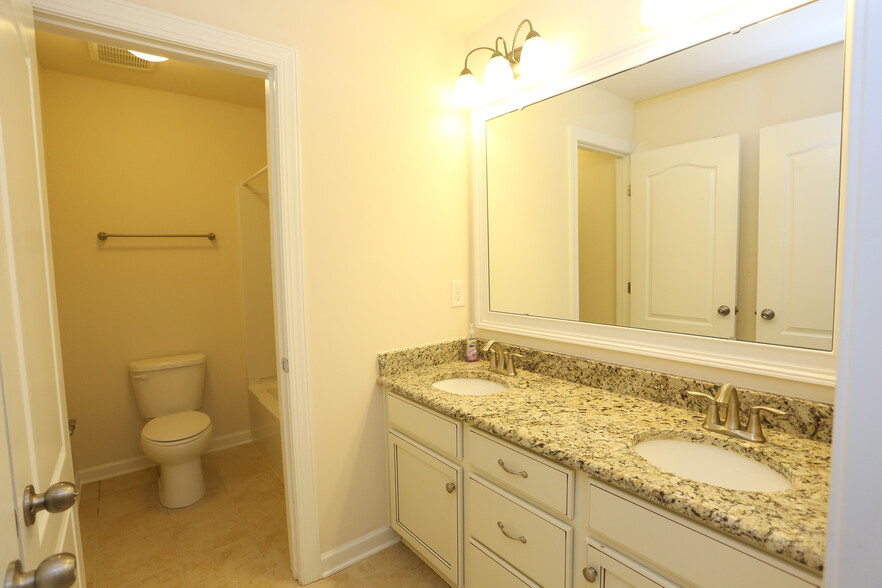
[[147, 56], [503, 68]]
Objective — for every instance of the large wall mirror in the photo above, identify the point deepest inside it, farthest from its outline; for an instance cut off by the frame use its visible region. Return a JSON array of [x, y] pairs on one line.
[[695, 194]]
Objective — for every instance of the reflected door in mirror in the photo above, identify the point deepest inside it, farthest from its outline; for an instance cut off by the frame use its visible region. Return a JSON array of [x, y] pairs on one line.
[[684, 237]]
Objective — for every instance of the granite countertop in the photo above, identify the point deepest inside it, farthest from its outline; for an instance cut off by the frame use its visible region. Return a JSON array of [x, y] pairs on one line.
[[595, 431]]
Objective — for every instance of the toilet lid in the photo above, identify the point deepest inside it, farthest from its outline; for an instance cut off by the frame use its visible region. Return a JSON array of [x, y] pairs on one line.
[[176, 427]]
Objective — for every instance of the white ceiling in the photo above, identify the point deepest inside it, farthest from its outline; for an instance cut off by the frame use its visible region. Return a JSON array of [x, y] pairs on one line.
[[67, 55], [457, 16]]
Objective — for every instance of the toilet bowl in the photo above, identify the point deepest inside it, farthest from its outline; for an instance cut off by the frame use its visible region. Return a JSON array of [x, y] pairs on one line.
[[168, 391], [176, 442]]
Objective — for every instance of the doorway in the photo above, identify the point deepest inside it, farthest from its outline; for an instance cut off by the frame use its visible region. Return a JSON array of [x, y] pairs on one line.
[[139, 28]]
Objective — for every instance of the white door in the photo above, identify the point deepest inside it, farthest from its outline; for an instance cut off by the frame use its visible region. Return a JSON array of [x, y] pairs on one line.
[[33, 405], [684, 237], [798, 218]]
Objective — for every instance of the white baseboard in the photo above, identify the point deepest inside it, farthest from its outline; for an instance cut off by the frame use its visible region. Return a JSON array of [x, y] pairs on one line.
[[134, 464], [356, 550]]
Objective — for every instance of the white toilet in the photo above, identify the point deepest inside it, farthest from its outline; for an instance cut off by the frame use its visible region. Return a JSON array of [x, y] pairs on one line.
[[168, 391]]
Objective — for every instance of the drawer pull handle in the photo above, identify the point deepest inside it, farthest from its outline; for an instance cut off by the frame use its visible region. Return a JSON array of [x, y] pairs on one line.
[[522, 539], [510, 471]]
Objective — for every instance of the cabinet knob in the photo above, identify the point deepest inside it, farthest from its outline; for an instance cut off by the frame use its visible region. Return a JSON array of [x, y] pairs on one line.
[[724, 310], [451, 487], [590, 574], [768, 314]]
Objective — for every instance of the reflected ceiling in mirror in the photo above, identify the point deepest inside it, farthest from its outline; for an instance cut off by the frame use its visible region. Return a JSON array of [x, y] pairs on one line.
[[697, 194]]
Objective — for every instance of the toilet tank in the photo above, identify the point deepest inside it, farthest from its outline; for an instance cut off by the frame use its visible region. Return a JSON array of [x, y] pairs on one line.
[[169, 384]]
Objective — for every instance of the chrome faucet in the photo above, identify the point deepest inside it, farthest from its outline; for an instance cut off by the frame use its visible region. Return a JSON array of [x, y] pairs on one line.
[[502, 361], [728, 395]]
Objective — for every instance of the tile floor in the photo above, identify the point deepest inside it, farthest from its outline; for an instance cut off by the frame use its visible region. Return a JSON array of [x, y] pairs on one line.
[[129, 539]]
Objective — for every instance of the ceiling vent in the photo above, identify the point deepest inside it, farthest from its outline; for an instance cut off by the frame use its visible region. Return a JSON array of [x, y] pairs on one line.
[[118, 57]]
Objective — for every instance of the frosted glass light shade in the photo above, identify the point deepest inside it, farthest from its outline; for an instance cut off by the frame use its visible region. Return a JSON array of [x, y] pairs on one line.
[[467, 91], [147, 56], [534, 57], [498, 77]]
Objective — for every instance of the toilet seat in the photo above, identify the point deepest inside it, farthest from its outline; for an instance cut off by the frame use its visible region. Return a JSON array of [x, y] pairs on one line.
[[177, 428]]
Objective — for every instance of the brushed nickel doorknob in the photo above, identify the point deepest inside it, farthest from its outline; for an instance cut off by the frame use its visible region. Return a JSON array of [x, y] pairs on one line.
[[768, 314], [56, 571], [57, 498]]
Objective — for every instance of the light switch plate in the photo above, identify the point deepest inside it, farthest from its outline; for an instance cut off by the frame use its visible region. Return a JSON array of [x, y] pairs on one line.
[[457, 293]]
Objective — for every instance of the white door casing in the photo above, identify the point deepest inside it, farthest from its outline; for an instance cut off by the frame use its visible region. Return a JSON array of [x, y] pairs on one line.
[[798, 222], [684, 237], [30, 362]]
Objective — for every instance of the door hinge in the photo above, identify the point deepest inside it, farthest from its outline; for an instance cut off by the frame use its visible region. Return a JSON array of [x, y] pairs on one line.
[[285, 364], [629, 287], [629, 190]]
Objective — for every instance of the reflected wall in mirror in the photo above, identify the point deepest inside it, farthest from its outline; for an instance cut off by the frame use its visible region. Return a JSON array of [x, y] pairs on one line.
[[698, 193]]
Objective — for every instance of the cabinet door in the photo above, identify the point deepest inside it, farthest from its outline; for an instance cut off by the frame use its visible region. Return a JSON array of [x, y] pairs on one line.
[[425, 497], [613, 572]]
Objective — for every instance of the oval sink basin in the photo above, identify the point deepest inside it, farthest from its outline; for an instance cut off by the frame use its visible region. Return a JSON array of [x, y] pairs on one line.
[[469, 387], [712, 465]]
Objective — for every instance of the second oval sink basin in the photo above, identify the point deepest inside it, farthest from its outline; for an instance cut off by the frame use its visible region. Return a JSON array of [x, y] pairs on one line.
[[712, 465], [469, 387]]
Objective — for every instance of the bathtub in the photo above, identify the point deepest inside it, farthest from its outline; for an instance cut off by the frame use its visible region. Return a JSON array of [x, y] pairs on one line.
[[266, 432]]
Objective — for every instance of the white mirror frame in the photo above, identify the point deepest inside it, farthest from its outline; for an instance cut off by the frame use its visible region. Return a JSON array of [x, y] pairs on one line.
[[788, 363]]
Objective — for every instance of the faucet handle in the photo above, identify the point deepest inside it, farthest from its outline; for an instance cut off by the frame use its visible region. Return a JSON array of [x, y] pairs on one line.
[[703, 394], [713, 411], [511, 371], [755, 424]]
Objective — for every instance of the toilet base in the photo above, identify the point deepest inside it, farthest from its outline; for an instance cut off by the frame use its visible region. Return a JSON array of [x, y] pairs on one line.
[[181, 484]]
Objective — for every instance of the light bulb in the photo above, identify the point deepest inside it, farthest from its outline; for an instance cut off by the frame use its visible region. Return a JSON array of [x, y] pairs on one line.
[[467, 91], [498, 77], [534, 57], [147, 56]]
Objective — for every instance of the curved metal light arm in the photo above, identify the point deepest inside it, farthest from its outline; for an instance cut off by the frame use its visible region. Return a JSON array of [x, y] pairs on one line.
[[532, 33], [465, 69], [504, 51]]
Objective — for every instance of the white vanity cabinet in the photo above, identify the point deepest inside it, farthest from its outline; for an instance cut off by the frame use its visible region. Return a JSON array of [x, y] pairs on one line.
[[682, 550], [486, 513], [426, 484]]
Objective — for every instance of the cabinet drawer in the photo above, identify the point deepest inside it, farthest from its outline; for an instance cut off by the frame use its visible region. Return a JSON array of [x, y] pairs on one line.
[[698, 558], [435, 430], [530, 540], [485, 569], [537, 479]]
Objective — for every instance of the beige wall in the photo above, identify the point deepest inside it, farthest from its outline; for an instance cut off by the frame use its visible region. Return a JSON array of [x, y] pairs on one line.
[[803, 86], [384, 232], [597, 237], [123, 159]]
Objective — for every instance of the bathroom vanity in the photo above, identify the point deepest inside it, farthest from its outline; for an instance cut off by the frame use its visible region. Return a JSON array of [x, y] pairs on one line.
[[540, 485]]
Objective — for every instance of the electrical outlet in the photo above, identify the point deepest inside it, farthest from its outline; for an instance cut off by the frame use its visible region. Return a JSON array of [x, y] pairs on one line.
[[457, 293]]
